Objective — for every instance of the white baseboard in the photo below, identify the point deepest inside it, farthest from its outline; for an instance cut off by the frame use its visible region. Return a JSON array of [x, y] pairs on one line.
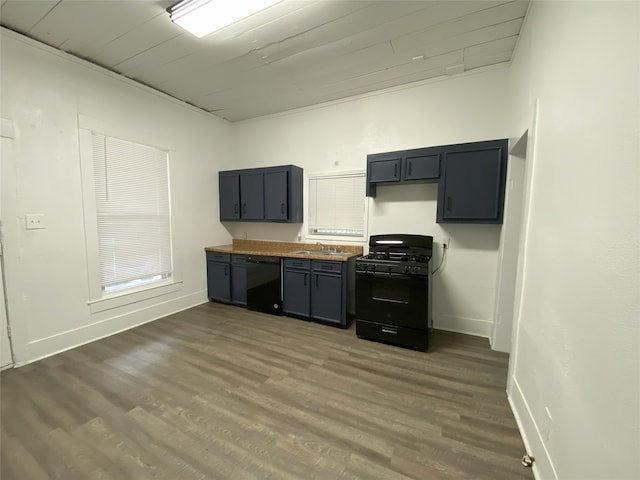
[[470, 326], [63, 341], [542, 466]]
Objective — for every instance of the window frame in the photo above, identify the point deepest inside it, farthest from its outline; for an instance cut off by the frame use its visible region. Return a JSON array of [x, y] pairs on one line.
[[99, 300], [337, 238]]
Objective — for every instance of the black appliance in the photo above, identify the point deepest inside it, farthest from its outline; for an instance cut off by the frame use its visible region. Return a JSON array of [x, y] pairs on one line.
[[392, 290], [264, 286]]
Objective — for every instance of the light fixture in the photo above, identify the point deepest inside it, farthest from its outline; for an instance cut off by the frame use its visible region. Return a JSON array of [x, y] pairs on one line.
[[202, 17]]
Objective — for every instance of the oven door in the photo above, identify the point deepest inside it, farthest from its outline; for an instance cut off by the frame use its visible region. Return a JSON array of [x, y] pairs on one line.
[[392, 299]]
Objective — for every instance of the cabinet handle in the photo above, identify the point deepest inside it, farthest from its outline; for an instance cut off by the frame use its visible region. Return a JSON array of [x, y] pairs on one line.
[[317, 279], [282, 208], [244, 208], [226, 270], [305, 279], [395, 170], [409, 170], [449, 204], [235, 208]]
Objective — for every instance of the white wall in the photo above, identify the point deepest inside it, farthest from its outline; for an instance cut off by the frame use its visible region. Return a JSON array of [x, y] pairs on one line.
[[43, 92], [578, 331], [338, 136]]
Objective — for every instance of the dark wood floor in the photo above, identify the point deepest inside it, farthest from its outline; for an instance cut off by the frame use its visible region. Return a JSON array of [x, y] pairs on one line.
[[218, 392]]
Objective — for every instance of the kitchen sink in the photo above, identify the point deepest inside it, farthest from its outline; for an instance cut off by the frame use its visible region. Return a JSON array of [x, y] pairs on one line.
[[320, 252]]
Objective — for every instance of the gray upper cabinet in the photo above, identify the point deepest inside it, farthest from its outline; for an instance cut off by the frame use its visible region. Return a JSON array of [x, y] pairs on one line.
[[272, 194], [252, 196], [230, 192], [420, 164], [472, 184], [471, 177], [276, 205], [384, 167]]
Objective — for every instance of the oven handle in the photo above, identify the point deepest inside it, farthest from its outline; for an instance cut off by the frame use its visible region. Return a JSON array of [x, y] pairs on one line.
[[390, 274], [389, 300]]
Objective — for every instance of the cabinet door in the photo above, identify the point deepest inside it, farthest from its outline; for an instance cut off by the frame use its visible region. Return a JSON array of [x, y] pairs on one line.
[[229, 186], [275, 195], [471, 188], [218, 281], [252, 196], [239, 284], [384, 167], [296, 292], [326, 297], [422, 164]]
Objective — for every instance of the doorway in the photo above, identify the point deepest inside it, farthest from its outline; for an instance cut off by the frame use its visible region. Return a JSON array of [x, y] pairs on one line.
[[510, 234]]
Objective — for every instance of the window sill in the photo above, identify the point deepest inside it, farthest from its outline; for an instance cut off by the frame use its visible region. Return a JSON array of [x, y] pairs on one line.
[[336, 238], [127, 298]]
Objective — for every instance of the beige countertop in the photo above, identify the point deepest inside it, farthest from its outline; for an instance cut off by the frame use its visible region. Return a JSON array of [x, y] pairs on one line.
[[288, 249]]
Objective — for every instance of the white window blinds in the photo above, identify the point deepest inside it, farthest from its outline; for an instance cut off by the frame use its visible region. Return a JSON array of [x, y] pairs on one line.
[[337, 205], [133, 213]]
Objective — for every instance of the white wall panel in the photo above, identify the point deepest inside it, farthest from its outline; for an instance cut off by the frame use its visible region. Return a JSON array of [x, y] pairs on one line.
[[578, 331], [43, 93]]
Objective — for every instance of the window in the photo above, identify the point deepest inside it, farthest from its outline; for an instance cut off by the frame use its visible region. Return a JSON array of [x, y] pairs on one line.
[[337, 205], [133, 218]]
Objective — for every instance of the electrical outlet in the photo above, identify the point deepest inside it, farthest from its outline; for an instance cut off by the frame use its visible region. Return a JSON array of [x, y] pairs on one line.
[[35, 221], [446, 242]]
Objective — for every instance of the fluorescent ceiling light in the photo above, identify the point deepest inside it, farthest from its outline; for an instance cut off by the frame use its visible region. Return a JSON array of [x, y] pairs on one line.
[[202, 17]]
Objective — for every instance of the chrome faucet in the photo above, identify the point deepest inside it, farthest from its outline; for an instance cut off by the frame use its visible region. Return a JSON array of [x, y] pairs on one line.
[[322, 245]]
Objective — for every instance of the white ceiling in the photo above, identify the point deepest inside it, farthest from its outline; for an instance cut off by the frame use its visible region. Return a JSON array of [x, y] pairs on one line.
[[294, 54]]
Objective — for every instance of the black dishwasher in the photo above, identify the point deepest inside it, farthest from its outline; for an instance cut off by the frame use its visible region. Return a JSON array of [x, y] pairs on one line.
[[264, 291]]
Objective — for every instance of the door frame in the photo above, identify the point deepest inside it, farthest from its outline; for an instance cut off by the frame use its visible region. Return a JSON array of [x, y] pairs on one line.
[[6, 131], [522, 250]]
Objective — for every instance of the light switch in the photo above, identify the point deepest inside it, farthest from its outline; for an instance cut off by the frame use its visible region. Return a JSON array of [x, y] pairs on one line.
[[35, 221]]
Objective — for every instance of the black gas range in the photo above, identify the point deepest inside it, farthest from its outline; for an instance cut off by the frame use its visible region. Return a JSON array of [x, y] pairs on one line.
[[393, 292]]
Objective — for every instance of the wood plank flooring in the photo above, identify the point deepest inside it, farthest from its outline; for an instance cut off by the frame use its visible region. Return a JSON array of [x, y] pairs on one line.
[[218, 392]]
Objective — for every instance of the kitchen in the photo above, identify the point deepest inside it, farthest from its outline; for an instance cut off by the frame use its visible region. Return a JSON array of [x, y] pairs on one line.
[[46, 270]]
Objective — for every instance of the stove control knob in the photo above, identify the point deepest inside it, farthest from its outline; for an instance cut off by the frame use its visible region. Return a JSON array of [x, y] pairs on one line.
[[406, 269]]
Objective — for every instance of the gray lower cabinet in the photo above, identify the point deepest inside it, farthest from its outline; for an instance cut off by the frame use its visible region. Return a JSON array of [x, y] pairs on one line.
[[226, 278], [319, 290], [219, 276], [239, 279], [296, 287], [327, 296]]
